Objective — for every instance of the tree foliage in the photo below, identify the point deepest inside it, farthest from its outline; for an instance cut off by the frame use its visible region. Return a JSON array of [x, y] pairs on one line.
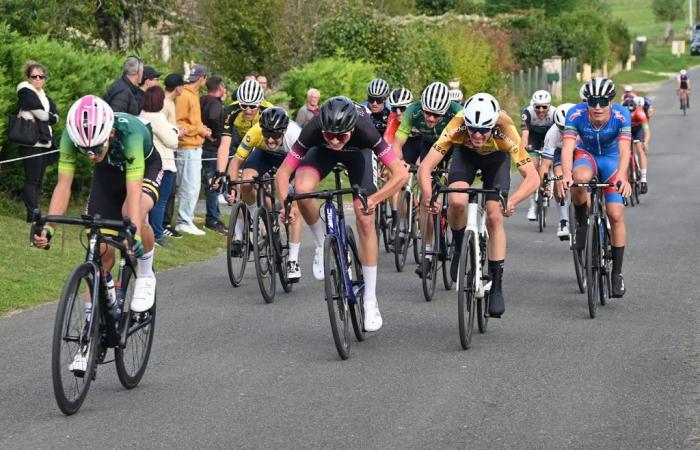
[[435, 7], [668, 10]]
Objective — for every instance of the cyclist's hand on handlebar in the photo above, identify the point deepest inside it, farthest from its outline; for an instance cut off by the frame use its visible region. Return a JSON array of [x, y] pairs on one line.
[[288, 220], [567, 181], [43, 239], [138, 246], [371, 205], [509, 209], [431, 207], [624, 188], [232, 195]]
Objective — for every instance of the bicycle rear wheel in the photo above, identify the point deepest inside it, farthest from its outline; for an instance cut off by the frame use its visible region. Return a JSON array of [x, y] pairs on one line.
[[402, 232], [637, 188], [264, 254], [237, 247], [466, 292], [280, 241], [593, 265], [357, 309], [578, 254], [416, 237], [75, 332], [336, 300], [386, 224], [131, 361], [482, 304], [605, 288], [429, 261]]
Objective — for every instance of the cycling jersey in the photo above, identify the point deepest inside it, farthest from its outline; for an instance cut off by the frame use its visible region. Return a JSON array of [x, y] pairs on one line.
[[598, 141], [380, 118], [552, 142], [128, 150], [504, 138], [254, 139], [638, 117], [537, 127], [683, 80], [235, 120], [413, 122]]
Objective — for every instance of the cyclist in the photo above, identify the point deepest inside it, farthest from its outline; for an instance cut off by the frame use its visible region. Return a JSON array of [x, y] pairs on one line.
[[377, 94], [127, 172], [629, 93], [486, 140], [344, 133], [552, 153], [597, 138], [263, 148], [683, 86], [536, 119], [399, 100], [641, 135], [456, 95]]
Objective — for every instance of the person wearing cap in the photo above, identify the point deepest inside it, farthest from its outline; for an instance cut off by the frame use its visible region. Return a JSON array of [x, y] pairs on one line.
[[122, 94], [174, 85], [150, 78], [189, 153]]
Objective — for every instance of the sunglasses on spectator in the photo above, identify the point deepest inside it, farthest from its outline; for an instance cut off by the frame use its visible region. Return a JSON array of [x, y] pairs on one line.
[[541, 107], [398, 109], [249, 106], [437, 116], [340, 137], [37, 77], [377, 100], [272, 134], [598, 101], [482, 131]]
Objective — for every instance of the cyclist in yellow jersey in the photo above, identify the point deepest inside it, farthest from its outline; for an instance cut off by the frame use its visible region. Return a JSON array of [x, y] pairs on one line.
[[487, 140]]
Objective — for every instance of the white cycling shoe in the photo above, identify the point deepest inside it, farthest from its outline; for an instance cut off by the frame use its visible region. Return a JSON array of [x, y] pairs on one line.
[[318, 264], [144, 294], [373, 318], [531, 213], [79, 364], [563, 231]]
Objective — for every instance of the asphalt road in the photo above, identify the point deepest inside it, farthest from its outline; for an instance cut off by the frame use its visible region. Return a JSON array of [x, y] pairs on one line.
[[229, 371]]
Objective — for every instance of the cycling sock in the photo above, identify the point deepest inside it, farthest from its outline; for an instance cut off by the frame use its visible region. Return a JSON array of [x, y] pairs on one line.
[[370, 275], [319, 231], [428, 248], [496, 272], [564, 211], [238, 231], [533, 204], [294, 251], [457, 236], [644, 175], [617, 254], [145, 267], [251, 209], [581, 213]]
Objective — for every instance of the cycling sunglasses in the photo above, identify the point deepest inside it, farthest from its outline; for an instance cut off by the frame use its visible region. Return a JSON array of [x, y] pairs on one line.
[[598, 101], [91, 151], [399, 109], [541, 107], [481, 130], [376, 100], [340, 137], [272, 134], [428, 113], [244, 106]]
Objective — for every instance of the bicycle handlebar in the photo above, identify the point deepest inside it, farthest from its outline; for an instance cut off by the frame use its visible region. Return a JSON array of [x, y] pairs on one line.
[[469, 190], [327, 195]]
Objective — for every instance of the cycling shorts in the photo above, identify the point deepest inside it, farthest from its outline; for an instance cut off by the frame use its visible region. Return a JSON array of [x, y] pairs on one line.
[[638, 133], [262, 161], [108, 188], [361, 165], [536, 142], [605, 166], [414, 149], [495, 169]]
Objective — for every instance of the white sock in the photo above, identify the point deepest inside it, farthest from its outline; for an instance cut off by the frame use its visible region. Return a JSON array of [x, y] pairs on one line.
[[318, 229], [428, 248], [294, 251], [145, 267], [238, 230], [370, 275], [251, 209], [564, 211], [644, 176]]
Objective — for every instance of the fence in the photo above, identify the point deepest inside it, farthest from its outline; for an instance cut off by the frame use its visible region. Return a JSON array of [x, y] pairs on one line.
[[525, 81]]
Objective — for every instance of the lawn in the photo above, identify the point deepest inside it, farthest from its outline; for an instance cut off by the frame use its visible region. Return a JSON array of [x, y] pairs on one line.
[[639, 17]]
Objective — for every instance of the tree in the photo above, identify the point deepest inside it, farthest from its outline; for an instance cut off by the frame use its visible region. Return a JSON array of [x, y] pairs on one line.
[[435, 7], [668, 10]]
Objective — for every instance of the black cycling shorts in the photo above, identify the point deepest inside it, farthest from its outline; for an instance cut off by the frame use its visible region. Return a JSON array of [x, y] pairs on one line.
[[262, 161], [361, 165], [535, 141], [495, 169], [413, 149], [108, 189], [638, 133]]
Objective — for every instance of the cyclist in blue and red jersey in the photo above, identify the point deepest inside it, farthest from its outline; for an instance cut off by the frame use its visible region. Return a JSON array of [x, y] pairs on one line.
[[598, 136]]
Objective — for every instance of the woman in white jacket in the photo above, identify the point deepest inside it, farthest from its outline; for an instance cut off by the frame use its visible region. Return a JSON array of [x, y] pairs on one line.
[[165, 137]]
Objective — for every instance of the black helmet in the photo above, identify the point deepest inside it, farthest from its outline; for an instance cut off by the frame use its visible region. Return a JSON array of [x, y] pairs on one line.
[[338, 115], [629, 104], [274, 119]]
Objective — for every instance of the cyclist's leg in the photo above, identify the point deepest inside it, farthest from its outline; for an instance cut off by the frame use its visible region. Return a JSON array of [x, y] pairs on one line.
[[461, 175], [536, 142], [607, 166], [252, 167], [562, 196], [584, 168]]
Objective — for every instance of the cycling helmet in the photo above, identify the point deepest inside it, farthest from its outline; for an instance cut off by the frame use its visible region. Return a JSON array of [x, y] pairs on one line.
[[629, 104], [560, 113], [456, 95], [639, 101], [436, 98], [378, 88], [541, 98], [582, 93], [628, 88], [274, 119], [600, 87], [684, 72], [481, 111], [400, 97], [250, 93], [90, 121], [338, 115]]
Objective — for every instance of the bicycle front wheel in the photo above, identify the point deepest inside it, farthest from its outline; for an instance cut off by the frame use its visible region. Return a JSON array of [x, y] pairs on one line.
[[593, 265], [578, 254], [336, 300], [75, 335], [429, 260], [237, 243], [264, 254], [281, 244], [466, 290], [540, 211], [605, 288], [354, 267], [402, 232]]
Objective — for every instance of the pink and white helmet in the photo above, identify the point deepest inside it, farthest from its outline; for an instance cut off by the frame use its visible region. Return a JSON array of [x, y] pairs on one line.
[[90, 121]]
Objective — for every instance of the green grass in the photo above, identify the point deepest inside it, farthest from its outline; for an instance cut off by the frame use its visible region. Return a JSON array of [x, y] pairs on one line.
[[639, 17], [30, 276]]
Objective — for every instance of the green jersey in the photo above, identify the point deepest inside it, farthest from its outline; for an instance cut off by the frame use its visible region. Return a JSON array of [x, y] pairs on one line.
[[128, 150], [414, 121]]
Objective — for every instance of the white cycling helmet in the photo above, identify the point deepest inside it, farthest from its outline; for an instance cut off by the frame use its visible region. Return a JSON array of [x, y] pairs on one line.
[[400, 97], [560, 113], [90, 121], [481, 111], [628, 88], [456, 95], [250, 93], [600, 87], [684, 72], [582, 93], [378, 88], [639, 101], [541, 97], [436, 98]]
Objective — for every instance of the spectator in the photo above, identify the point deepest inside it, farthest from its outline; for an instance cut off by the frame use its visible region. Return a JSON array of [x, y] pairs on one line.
[[35, 105], [165, 140], [262, 80], [189, 153], [212, 106], [310, 108], [249, 76], [150, 78], [122, 94], [174, 85]]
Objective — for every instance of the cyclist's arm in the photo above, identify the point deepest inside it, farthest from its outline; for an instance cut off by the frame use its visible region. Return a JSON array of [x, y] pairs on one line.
[[399, 176], [425, 170], [397, 145], [567, 155], [647, 134], [133, 203], [625, 148], [284, 171]]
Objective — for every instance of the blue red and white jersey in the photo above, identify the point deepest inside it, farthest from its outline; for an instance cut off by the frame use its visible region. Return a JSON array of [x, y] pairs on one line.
[[598, 141]]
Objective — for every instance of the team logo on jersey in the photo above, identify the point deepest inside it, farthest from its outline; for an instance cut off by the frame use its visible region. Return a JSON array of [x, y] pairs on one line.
[[575, 114], [247, 139], [619, 116], [523, 117]]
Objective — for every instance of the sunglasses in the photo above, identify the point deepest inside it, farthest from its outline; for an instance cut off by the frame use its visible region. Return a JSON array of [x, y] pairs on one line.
[[91, 151], [480, 130], [249, 106], [437, 116], [376, 100], [399, 109], [272, 134], [598, 101], [340, 137], [541, 107], [37, 77]]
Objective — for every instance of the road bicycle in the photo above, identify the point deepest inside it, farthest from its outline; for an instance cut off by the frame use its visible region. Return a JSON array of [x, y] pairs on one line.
[[683, 95], [91, 334], [543, 194], [344, 283], [406, 232], [384, 224], [634, 175]]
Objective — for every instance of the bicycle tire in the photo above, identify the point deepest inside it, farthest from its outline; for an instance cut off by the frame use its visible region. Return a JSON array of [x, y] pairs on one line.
[[357, 310], [386, 225], [402, 232], [482, 304], [466, 292], [429, 265], [449, 244], [592, 266], [633, 182], [605, 287], [416, 237], [637, 185], [264, 255], [70, 299], [579, 269], [335, 297], [137, 325], [236, 264], [540, 211], [281, 245]]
